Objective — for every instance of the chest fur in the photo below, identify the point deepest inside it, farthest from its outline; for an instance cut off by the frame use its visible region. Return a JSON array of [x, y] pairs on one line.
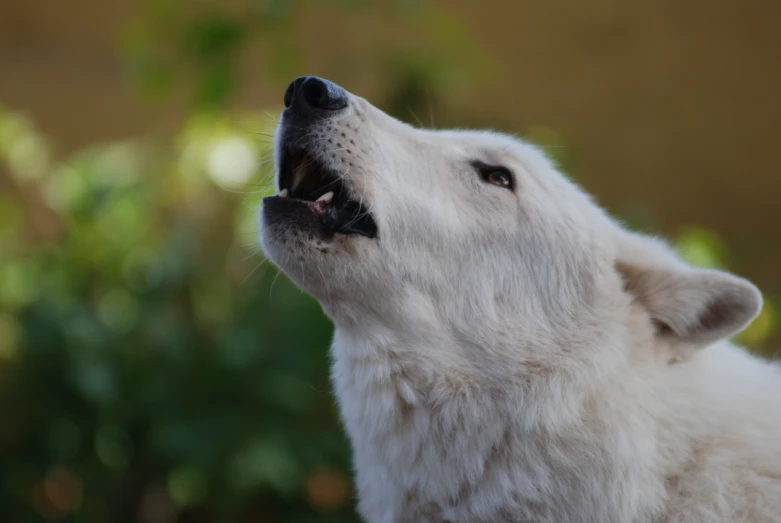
[[442, 447]]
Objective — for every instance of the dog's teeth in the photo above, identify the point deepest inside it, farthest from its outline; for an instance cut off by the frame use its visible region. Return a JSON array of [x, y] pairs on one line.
[[327, 197], [283, 193]]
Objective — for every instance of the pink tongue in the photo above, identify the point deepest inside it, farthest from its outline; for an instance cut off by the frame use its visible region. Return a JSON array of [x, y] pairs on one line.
[[318, 207]]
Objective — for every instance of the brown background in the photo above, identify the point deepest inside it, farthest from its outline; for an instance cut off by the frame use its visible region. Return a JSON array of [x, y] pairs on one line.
[[667, 105]]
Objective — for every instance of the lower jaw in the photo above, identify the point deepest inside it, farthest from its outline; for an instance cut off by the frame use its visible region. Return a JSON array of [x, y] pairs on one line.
[[295, 215], [320, 218]]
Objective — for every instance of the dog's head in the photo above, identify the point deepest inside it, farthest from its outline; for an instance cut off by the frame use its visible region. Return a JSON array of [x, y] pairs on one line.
[[467, 237]]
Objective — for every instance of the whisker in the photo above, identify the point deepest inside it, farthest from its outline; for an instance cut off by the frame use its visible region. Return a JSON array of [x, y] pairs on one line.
[[325, 284], [430, 109], [415, 116], [272, 117], [271, 289], [258, 266]]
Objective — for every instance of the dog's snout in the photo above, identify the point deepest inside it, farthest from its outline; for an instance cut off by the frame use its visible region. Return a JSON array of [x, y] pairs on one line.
[[310, 94]]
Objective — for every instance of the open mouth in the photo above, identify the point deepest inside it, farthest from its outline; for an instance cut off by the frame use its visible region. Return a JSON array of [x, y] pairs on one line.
[[305, 180]]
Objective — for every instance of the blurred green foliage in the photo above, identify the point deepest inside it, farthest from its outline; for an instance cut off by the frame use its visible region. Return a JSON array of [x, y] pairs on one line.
[[197, 48], [143, 375], [153, 368]]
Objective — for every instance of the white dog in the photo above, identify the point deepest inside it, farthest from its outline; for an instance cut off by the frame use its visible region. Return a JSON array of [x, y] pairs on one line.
[[505, 351]]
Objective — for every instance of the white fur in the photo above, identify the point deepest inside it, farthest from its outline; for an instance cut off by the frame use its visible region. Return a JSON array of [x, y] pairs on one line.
[[519, 356]]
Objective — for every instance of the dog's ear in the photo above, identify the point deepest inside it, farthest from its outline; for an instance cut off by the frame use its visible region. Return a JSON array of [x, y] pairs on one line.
[[696, 307]]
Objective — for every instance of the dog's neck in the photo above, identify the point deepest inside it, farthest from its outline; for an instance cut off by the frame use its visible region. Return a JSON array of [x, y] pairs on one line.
[[418, 369], [401, 401]]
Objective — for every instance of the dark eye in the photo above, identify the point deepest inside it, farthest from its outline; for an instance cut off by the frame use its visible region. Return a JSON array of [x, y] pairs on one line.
[[495, 175], [499, 178]]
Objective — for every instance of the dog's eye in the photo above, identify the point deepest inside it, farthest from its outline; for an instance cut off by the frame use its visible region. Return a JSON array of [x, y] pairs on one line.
[[502, 179], [495, 175]]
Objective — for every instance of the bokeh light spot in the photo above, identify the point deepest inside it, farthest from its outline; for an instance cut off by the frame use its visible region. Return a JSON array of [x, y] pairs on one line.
[[231, 162], [327, 490], [187, 486], [28, 157], [60, 492], [701, 248], [66, 189], [113, 446]]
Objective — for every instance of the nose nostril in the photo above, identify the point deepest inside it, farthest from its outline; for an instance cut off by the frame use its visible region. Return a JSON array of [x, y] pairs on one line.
[[310, 92], [289, 94], [315, 93]]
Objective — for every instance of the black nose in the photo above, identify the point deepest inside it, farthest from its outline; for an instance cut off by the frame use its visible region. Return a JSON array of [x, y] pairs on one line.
[[310, 94]]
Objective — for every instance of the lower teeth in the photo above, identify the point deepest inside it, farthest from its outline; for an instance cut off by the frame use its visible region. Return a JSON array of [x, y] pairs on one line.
[[327, 197]]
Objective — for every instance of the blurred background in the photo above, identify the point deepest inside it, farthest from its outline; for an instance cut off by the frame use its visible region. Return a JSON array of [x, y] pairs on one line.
[[153, 368]]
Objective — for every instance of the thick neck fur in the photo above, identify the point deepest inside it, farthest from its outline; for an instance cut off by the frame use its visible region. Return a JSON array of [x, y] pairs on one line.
[[423, 420]]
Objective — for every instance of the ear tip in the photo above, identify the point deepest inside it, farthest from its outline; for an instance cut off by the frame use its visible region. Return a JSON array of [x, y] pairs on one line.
[[733, 304], [749, 297], [756, 299]]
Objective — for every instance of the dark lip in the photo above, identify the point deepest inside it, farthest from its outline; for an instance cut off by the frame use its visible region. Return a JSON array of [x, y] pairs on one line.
[[344, 214], [285, 172]]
